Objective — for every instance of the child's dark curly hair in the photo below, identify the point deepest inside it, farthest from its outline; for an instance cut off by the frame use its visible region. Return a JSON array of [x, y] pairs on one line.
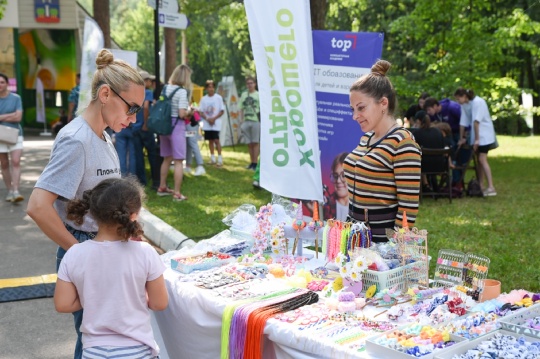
[[111, 202]]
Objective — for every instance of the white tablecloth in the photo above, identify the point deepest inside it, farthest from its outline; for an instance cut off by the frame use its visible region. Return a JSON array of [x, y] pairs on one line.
[[191, 328]]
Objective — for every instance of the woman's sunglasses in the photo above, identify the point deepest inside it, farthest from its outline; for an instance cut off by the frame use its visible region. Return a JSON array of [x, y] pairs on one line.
[[132, 109]]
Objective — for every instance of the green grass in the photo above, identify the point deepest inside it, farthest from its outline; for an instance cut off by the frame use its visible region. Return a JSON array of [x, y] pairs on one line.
[[502, 228]]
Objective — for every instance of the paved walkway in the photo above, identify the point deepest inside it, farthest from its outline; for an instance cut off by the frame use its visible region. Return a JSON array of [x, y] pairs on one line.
[[32, 328]]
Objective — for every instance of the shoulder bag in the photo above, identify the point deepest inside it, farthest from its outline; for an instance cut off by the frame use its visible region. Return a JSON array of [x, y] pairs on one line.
[[8, 135]]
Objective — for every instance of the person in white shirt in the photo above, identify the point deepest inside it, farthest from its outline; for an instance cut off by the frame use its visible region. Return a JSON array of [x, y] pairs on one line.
[[475, 113], [211, 109]]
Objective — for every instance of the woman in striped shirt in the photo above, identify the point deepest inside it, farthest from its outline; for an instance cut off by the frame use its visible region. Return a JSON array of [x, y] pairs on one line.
[[383, 171]]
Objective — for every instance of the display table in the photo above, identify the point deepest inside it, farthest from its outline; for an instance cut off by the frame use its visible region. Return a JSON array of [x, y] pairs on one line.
[[191, 328]]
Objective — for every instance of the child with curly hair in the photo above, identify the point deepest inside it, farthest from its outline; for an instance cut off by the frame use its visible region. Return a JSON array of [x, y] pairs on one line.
[[115, 279]]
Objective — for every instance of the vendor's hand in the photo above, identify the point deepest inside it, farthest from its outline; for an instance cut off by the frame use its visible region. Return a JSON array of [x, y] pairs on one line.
[[476, 144], [461, 141], [144, 127]]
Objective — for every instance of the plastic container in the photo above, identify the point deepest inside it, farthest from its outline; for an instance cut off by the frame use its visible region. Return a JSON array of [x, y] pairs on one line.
[[181, 263], [450, 352], [517, 323], [492, 289], [380, 351], [387, 279]]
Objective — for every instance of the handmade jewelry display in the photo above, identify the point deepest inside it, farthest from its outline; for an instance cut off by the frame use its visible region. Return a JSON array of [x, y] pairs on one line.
[[203, 261], [416, 340], [449, 269], [413, 247], [503, 346], [524, 322], [351, 270], [475, 271], [248, 321], [278, 240], [315, 225], [474, 325], [263, 227], [466, 270], [298, 224], [374, 299]]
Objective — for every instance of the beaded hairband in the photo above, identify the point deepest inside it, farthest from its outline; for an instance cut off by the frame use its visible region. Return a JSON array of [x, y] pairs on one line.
[[298, 224], [279, 242], [315, 225], [263, 227]]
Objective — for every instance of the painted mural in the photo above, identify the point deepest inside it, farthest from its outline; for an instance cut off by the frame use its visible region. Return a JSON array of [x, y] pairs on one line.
[[49, 55]]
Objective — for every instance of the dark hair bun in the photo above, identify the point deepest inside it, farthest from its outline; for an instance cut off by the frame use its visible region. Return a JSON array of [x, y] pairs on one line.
[[104, 58], [381, 67]]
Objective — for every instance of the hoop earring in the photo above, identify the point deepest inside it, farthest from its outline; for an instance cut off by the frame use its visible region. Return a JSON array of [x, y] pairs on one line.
[[383, 112]]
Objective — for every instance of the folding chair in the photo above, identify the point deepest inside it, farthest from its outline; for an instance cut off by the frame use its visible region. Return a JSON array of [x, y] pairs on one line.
[[436, 167], [465, 159]]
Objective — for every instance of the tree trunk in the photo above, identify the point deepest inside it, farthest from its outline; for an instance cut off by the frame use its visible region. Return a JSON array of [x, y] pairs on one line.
[[102, 17], [170, 51], [318, 14]]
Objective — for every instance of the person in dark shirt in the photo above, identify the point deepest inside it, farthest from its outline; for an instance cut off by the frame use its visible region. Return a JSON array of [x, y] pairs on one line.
[[447, 111], [429, 137], [413, 109]]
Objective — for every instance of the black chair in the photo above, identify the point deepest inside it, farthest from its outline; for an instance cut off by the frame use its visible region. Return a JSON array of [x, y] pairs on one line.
[[469, 161], [436, 167]]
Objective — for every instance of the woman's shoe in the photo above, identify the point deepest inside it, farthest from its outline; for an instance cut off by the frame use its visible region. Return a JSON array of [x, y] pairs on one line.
[[490, 192], [164, 191], [199, 171], [178, 197], [17, 197]]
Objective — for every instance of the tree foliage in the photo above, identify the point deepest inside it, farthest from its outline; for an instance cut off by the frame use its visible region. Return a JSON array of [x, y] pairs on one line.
[[3, 4], [436, 46]]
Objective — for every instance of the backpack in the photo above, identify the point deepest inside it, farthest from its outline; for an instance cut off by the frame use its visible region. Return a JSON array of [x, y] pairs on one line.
[[159, 119], [473, 188]]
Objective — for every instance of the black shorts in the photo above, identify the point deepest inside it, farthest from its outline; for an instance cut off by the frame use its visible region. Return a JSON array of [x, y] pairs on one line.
[[484, 149], [211, 135]]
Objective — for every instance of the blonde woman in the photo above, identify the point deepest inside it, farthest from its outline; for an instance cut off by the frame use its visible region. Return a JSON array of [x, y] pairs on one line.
[[83, 155], [173, 146]]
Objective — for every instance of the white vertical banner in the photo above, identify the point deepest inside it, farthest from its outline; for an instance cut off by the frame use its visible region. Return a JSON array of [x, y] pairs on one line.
[[40, 101], [282, 44], [230, 125], [162, 63], [128, 56], [92, 43]]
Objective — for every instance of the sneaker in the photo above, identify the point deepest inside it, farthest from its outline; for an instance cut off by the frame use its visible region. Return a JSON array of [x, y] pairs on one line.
[[248, 167], [199, 171], [164, 191], [490, 192], [219, 162], [256, 184], [212, 160], [17, 197], [187, 170], [9, 197]]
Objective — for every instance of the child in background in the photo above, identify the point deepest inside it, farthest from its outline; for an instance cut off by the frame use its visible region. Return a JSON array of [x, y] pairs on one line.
[[192, 136], [115, 279]]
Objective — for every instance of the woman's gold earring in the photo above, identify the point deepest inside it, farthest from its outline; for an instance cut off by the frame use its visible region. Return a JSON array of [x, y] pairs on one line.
[[383, 112]]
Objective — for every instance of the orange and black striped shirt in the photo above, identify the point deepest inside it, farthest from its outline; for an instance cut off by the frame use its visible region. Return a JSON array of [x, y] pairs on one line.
[[384, 178]]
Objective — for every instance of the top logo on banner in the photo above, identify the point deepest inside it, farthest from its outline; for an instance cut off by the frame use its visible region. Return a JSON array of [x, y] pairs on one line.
[[342, 48]]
